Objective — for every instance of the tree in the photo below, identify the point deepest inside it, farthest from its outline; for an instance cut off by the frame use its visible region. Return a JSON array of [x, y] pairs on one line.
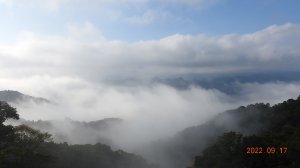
[[20, 146], [6, 131], [7, 112], [224, 153], [28, 150], [281, 130]]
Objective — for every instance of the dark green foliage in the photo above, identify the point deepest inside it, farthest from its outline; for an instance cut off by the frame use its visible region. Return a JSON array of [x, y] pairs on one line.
[[7, 112], [93, 156], [224, 153], [281, 128], [20, 146], [230, 151], [6, 131], [179, 151], [24, 147]]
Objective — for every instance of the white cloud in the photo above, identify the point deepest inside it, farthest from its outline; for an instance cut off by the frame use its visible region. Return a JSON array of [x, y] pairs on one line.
[[68, 69], [162, 109], [136, 12], [147, 18], [84, 56], [84, 33], [83, 52], [7, 3], [190, 3], [274, 92], [51, 5]]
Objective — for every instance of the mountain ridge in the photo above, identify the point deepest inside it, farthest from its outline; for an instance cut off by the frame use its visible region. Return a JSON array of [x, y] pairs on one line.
[[12, 96]]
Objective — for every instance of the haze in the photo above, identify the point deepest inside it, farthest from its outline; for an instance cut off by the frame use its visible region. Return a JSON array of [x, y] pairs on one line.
[[102, 59]]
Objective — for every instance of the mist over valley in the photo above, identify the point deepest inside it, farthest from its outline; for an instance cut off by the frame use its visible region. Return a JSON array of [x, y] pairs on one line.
[[149, 84]]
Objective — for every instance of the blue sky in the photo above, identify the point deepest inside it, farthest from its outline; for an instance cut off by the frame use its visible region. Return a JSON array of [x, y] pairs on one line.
[[97, 40], [69, 50], [134, 20]]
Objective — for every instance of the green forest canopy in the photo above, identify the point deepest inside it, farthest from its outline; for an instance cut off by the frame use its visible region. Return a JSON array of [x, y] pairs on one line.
[[276, 145], [25, 147]]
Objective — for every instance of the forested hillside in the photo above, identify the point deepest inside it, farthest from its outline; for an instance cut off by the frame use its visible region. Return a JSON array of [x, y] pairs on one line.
[[22, 146], [257, 135], [179, 151], [75, 132], [276, 144], [16, 97], [279, 123]]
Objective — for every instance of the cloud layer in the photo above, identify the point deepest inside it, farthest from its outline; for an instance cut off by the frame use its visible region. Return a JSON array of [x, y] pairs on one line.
[[133, 12], [73, 70], [84, 53], [162, 109]]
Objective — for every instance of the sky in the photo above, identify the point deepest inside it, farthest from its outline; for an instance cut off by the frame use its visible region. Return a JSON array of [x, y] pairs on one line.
[[135, 20], [68, 50], [51, 48], [97, 41]]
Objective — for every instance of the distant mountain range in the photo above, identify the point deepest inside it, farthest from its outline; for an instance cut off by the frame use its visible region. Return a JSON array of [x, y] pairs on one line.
[[228, 83], [76, 132], [16, 97]]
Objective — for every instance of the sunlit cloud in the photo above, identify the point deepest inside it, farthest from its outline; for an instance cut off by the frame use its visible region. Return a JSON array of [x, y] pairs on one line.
[[85, 53]]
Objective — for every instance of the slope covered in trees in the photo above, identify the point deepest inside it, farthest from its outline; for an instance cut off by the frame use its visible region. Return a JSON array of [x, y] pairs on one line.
[[16, 97], [276, 144], [272, 131], [76, 132], [25, 147], [93, 156], [256, 119], [179, 151]]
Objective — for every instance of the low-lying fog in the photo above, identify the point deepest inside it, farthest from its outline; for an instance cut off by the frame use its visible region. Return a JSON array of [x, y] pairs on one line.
[[90, 78], [148, 112]]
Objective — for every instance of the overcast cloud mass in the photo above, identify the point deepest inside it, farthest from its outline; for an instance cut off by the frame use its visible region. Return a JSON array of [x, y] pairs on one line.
[[83, 53]]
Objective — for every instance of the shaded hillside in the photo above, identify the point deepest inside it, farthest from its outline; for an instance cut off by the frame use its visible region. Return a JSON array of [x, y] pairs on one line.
[[17, 97], [276, 145], [22, 146], [179, 151], [93, 156], [76, 132]]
